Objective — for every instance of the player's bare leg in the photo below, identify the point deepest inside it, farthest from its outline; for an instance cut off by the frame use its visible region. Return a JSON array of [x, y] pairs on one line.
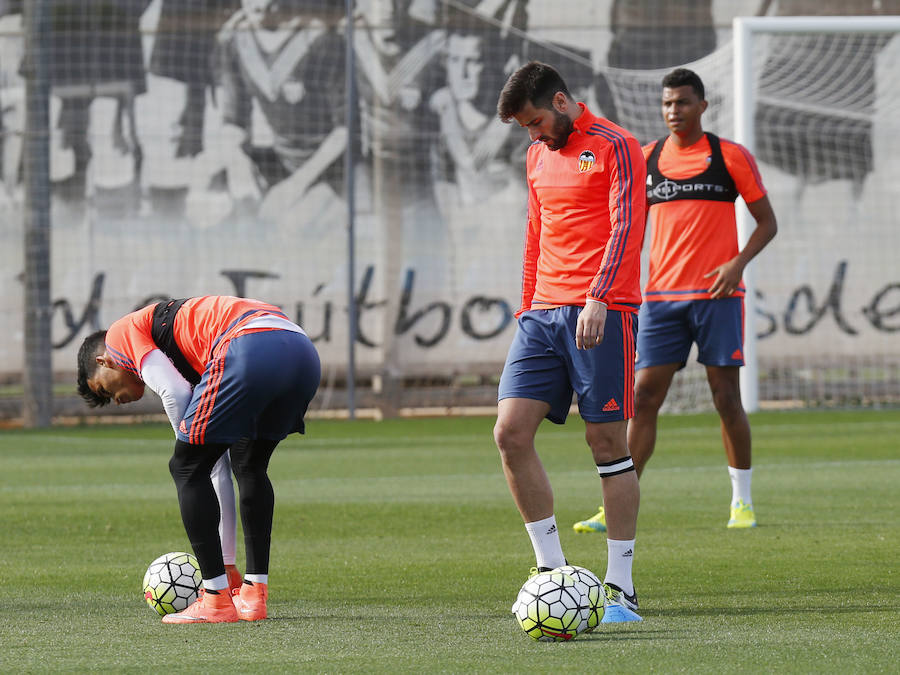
[[517, 423], [621, 499], [621, 492], [724, 383], [650, 389]]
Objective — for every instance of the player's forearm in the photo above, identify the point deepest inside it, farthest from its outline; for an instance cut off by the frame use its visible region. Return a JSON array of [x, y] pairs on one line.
[[163, 378], [766, 228]]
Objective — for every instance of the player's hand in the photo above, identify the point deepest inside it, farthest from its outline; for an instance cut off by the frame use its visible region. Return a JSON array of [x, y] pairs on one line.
[[727, 279], [590, 326]]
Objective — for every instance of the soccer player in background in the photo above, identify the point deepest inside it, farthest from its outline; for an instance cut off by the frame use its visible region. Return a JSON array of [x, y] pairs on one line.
[[578, 316], [232, 373], [694, 292]]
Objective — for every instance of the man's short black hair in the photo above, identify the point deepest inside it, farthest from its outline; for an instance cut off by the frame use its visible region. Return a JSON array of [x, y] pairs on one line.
[[682, 77], [535, 82], [93, 345]]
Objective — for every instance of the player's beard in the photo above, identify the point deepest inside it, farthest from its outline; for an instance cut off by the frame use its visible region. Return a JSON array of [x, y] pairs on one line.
[[562, 128]]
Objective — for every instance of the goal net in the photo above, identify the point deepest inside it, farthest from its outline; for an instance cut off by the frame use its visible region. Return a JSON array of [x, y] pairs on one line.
[[815, 102], [816, 108]]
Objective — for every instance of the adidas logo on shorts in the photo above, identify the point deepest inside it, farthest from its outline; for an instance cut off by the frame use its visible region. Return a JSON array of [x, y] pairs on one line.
[[611, 406]]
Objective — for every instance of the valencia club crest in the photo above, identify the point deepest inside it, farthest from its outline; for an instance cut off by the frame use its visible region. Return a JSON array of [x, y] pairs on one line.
[[586, 160]]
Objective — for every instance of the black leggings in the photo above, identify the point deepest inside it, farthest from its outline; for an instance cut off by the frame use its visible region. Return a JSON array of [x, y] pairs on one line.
[[190, 466]]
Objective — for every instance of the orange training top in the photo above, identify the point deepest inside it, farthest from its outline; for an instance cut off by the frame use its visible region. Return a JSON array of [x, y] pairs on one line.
[[691, 237], [586, 210], [202, 325]]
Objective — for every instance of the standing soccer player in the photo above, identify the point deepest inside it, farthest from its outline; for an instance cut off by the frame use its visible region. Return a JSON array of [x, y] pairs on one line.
[[253, 373], [695, 292], [578, 316]]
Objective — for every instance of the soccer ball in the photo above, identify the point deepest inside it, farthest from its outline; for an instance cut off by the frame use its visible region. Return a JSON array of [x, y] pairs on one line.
[[592, 591], [171, 582], [550, 607]]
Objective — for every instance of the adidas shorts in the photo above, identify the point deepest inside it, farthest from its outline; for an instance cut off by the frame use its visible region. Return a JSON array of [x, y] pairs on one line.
[[668, 329], [260, 387], [543, 364]]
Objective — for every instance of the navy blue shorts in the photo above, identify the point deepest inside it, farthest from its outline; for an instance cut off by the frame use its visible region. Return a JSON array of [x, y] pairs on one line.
[[544, 364], [260, 387], [668, 329]]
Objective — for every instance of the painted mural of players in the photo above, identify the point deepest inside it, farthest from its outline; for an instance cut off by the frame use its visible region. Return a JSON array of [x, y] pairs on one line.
[[470, 168], [475, 177], [171, 115], [398, 45], [96, 70], [284, 59], [415, 98], [12, 100], [472, 156]]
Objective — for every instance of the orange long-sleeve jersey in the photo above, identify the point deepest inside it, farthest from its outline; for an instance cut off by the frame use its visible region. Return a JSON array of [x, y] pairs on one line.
[[691, 237], [586, 211], [201, 325]]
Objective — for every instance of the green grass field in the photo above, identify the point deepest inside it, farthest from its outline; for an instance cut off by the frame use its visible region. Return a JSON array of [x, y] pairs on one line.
[[397, 548]]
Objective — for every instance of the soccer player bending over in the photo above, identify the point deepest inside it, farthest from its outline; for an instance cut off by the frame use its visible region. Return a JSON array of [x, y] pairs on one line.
[[234, 374], [578, 315]]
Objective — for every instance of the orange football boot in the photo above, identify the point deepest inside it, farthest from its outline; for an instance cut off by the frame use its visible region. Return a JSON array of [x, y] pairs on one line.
[[207, 608], [250, 601]]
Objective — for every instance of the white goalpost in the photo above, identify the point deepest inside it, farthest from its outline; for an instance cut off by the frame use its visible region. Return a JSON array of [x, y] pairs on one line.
[[854, 107]]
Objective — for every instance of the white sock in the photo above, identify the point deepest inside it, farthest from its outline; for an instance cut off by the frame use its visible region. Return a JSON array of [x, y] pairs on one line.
[[545, 541], [219, 583], [618, 565], [257, 578], [740, 484]]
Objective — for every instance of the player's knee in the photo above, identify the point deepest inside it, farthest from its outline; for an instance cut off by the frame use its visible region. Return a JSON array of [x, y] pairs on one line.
[[245, 471], [607, 441], [190, 462], [504, 435], [510, 440], [648, 399], [250, 458], [727, 401]]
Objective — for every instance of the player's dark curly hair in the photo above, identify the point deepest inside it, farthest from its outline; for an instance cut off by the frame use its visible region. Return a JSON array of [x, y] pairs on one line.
[[535, 82], [682, 77], [93, 344]]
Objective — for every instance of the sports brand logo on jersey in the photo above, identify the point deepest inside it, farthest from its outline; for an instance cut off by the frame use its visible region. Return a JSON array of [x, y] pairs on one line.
[[665, 190], [183, 427], [586, 160]]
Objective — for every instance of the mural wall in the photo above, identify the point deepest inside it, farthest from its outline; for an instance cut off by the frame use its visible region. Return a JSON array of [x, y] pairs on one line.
[[198, 146]]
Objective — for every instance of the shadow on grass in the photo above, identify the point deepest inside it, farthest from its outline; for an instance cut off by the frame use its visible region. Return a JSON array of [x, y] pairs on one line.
[[748, 611], [606, 634]]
